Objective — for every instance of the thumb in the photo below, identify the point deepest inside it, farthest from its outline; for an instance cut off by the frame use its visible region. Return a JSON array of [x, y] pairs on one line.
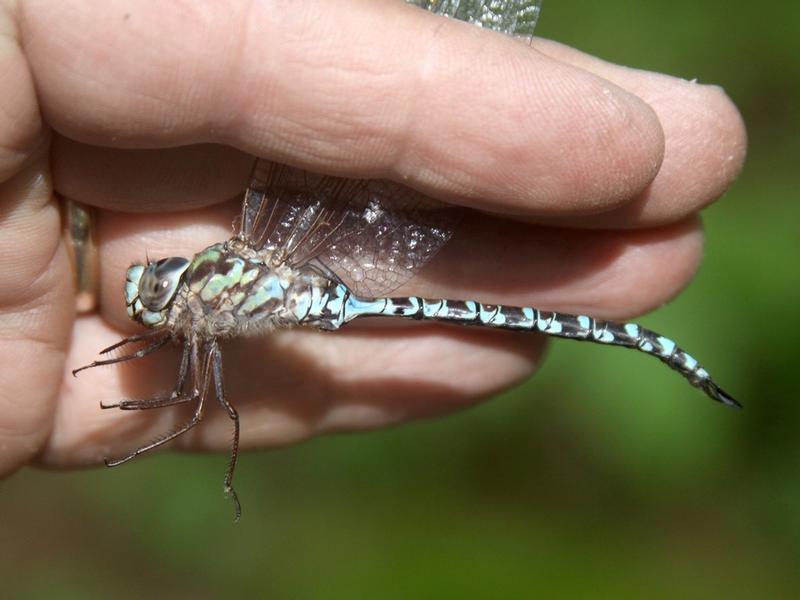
[[36, 297]]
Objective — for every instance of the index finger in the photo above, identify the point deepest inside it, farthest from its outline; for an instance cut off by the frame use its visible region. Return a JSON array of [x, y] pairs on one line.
[[358, 88]]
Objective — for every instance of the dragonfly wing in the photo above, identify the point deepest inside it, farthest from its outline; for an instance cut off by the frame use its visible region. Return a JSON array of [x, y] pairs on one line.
[[255, 204], [390, 232], [372, 234], [280, 205], [516, 17]]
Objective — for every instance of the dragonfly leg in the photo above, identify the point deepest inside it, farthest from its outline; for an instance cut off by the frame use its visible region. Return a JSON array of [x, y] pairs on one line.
[[177, 396], [220, 391], [200, 392], [155, 402], [129, 340], [132, 356]]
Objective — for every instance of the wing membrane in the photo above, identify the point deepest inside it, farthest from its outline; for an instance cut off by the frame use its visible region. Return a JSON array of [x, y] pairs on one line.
[[517, 17], [372, 234]]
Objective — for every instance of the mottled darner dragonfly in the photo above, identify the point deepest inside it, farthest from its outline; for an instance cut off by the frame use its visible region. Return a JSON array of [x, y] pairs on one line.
[[320, 251]]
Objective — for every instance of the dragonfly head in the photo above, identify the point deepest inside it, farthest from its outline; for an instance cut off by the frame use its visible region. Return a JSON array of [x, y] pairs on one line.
[[150, 288]]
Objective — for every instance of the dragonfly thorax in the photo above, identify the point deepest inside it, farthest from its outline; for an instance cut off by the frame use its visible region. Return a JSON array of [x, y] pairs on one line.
[[149, 289], [223, 291]]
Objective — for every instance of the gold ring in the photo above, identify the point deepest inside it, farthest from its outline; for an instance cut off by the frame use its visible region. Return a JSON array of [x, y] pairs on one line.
[[80, 236]]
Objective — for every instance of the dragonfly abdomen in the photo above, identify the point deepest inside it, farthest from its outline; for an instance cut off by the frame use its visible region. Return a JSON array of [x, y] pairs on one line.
[[576, 327]]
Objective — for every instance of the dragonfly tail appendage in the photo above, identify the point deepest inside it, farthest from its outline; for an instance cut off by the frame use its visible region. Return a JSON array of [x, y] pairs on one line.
[[718, 394], [576, 327]]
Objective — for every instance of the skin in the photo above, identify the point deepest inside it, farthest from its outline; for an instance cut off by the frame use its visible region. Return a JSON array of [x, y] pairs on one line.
[[150, 111]]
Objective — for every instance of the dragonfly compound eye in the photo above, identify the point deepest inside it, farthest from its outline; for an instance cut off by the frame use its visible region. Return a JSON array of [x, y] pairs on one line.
[[160, 281]]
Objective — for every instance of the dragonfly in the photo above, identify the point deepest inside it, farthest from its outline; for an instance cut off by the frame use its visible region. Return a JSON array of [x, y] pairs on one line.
[[319, 252]]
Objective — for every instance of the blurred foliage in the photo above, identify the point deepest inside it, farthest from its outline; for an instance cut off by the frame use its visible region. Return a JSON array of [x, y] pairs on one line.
[[621, 481]]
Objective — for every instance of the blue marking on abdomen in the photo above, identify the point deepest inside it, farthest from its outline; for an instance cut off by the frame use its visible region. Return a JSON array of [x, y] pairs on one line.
[[433, 309]]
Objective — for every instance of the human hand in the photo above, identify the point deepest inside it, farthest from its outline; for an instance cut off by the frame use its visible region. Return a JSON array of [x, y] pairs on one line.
[[150, 112]]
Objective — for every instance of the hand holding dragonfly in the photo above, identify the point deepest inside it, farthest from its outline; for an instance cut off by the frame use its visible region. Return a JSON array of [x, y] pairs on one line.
[[589, 177]]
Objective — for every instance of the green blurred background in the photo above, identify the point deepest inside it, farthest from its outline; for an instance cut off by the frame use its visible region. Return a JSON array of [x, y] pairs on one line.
[[622, 481]]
